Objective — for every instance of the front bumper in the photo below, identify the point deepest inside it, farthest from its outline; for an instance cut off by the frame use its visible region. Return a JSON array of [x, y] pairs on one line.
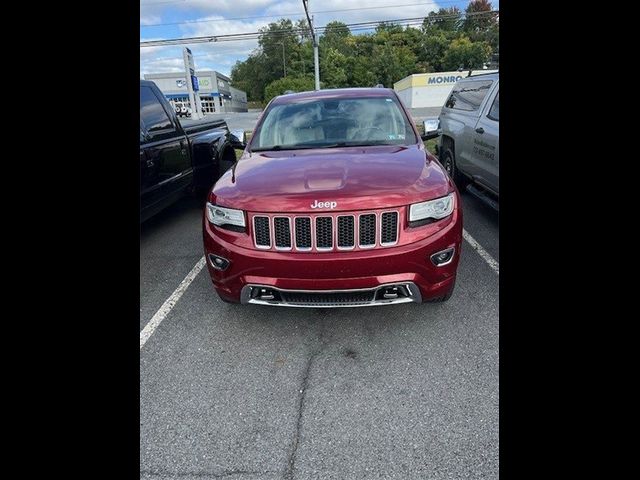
[[331, 272]]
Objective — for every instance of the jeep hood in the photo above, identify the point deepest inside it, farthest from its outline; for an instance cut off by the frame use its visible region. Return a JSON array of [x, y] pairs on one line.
[[355, 178]]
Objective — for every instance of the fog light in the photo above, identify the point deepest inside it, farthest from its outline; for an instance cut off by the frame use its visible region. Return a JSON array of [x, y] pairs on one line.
[[217, 262], [265, 293], [444, 257]]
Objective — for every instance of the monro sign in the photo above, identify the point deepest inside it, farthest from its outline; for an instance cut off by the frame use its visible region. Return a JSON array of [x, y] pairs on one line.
[[444, 79]]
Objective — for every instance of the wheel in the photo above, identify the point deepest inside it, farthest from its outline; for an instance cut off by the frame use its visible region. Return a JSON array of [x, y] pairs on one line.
[[448, 161], [444, 298]]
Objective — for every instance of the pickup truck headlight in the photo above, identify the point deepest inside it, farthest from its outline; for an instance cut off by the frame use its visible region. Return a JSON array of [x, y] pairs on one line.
[[225, 216], [436, 209]]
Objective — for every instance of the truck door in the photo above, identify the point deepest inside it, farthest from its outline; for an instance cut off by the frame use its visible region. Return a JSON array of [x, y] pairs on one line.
[[148, 176], [485, 147], [167, 149], [468, 98]]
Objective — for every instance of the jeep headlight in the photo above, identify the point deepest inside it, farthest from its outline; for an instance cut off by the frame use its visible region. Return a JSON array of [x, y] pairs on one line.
[[436, 209], [225, 216]]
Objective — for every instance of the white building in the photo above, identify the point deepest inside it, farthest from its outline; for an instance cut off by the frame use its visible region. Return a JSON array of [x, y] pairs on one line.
[[429, 89], [215, 92]]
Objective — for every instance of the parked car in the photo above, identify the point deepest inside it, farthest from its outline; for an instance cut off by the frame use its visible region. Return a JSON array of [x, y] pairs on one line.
[[175, 160], [335, 202], [469, 148]]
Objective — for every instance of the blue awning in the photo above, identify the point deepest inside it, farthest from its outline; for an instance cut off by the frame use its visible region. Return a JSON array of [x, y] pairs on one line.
[[171, 96]]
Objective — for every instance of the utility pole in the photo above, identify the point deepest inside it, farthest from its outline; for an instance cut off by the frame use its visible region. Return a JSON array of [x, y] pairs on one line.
[[314, 36], [316, 63], [284, 65]]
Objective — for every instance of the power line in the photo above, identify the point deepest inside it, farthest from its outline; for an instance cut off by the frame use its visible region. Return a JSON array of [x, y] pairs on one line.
[[297, 31], [296, 14]]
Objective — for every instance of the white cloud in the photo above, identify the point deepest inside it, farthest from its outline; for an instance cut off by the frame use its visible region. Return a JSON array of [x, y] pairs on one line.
[[222, 55], [231, 8], [150, 19], [363, 14]]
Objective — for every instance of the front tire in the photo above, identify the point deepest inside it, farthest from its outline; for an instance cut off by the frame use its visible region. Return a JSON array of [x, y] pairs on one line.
[[449, 163]]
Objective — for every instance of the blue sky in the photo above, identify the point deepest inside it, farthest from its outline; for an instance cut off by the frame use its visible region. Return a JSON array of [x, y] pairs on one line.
[[219, 17]]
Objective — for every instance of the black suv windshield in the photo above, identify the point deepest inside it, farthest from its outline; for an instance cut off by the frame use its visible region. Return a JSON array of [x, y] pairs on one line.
[[331, 122]]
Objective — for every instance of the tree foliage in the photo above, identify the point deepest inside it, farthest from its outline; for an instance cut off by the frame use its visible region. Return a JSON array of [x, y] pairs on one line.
[[278, 87], [448, 39]]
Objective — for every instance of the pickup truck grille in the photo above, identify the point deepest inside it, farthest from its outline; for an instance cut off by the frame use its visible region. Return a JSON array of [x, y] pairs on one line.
[[324, 233]]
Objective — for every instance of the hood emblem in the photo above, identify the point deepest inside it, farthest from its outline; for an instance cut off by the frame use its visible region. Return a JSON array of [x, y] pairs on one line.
[[330, 205]]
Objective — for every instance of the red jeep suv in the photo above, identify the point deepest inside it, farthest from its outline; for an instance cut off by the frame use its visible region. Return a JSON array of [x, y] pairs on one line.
[[335, 202]]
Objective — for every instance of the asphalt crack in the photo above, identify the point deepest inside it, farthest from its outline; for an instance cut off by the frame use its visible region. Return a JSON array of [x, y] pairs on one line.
[[223, 474], [291, 462]]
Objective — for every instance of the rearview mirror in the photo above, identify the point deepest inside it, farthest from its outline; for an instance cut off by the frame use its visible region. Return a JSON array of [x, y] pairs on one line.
[[236, 137], [431, 128]]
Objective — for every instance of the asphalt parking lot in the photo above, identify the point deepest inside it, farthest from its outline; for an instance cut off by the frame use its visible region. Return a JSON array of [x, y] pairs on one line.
[[254, 392]]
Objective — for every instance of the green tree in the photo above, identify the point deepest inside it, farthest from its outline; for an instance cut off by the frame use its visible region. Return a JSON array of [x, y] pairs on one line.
[[479, 23], [335, 36], [279, 40], [252, 75], [278, 87], [359, 72], [391, 63], [435, 47], [333, 68], [445, 41], [464, 53], [444, 20]]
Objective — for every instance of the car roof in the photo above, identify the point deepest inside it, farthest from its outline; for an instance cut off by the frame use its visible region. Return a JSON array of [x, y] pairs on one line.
[[333, 93], [492, 76]]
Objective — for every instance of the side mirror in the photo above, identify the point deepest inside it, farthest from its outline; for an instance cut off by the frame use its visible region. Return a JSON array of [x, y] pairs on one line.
[[431, 128], [237, 139]]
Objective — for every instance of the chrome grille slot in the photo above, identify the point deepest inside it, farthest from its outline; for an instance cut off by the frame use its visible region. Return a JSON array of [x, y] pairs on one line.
[[282, 233], [367, 230], [324, 233], [346, 231], [389, 228], [262, 232], [303, 233]]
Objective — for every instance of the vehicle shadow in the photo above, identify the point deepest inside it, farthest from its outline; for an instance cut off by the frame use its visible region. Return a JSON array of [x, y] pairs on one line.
[[188, 207], [481, 211]]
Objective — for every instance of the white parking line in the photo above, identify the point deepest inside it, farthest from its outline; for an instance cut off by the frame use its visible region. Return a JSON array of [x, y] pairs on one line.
[[483, 253], [169, 303]]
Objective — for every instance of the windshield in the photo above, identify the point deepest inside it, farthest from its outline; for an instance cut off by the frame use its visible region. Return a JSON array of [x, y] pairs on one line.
[[326, 123]]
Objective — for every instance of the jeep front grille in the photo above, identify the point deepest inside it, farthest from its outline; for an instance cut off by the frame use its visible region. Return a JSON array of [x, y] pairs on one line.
[[367, 230], [389, 228], [262, 232], [303, 233], [325, 233]]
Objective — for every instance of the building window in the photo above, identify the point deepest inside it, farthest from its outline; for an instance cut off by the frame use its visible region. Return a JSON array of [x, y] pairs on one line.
[[208, 104]]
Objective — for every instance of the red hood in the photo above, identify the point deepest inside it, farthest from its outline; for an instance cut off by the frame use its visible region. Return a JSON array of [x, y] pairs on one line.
[[356, 178]]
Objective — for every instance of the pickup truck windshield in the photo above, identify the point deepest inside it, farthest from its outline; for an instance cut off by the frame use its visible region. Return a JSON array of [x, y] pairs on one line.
[[328, 123]]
